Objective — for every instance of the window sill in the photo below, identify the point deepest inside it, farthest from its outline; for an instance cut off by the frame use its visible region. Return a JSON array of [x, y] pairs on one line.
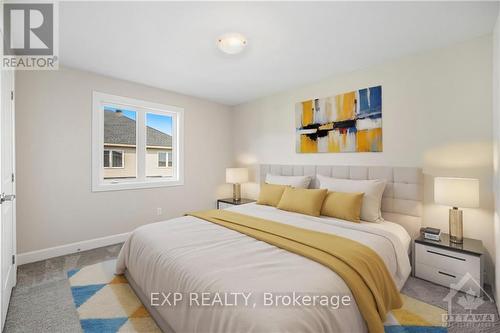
[[119, 186]]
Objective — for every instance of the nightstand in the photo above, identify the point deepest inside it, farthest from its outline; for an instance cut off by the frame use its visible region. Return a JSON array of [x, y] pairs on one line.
[[226, 203], [447, 263]]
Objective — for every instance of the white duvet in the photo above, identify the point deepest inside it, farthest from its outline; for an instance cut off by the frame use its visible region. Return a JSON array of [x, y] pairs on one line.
[[190, 255]]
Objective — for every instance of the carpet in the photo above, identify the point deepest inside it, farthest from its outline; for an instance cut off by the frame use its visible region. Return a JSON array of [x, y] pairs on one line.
[[106, 304]]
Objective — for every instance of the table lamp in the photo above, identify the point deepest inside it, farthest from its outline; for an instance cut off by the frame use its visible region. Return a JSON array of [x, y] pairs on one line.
[[236, 176], [456, 192]]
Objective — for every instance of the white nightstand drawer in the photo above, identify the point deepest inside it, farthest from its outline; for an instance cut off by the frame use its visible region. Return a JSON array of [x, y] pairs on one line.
[[446, 278], [224, 205], [449, 261]]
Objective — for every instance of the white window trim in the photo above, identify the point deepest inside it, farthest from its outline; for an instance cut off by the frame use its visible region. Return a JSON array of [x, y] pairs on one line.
[[142, 107], [111, 158], [166, 164]]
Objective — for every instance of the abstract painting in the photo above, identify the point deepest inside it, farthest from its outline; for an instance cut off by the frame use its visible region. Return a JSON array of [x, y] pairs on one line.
[[349, 122]]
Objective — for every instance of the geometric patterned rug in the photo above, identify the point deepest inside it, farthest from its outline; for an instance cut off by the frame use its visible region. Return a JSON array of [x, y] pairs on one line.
[[416, 317], [106, 304]]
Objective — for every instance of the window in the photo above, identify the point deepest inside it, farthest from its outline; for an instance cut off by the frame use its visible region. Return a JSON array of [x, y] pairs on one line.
[[162, 159], [106, 159], [158, 145], [135, 144], [113, 158]]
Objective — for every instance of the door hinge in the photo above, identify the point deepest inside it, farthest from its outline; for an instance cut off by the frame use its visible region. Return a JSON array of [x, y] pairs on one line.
[[12, 95], [13, 259], [13, 178]]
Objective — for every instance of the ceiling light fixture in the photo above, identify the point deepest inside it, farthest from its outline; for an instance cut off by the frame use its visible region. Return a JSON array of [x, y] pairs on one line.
[[231, 43]]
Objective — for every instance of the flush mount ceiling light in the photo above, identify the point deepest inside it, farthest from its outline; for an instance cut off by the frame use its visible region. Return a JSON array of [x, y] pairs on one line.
[[231, 43]]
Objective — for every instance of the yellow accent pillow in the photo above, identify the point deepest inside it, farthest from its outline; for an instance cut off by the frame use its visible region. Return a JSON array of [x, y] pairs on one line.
[[304, 201], [270, 194], [345, 206]]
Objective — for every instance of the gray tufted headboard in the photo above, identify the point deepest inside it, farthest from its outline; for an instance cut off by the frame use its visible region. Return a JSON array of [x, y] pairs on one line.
[[402, 199]]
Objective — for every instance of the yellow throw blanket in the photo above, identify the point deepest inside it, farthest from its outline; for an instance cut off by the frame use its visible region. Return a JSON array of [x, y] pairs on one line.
[[360, 267]]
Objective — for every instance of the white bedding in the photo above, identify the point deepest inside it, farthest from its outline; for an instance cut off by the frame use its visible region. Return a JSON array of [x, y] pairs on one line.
[[187, 254]]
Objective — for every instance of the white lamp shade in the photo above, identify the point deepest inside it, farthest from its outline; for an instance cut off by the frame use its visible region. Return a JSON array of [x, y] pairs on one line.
[[456, 192], [236, 175]]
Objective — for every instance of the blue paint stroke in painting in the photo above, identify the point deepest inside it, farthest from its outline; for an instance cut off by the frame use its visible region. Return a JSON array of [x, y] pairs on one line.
[[352, 130], [370, 101]]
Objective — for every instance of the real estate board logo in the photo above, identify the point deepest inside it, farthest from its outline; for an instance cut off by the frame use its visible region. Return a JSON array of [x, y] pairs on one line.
[[473, 308], [30, 39]]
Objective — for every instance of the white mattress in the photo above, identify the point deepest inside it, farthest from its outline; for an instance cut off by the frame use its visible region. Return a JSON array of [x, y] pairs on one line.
[[187, 254]]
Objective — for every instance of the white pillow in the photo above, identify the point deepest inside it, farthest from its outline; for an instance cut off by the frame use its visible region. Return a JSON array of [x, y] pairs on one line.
[[373, 190], [294, 181]]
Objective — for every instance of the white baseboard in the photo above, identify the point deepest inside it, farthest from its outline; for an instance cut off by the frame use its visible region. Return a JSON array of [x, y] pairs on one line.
[[52, 252]]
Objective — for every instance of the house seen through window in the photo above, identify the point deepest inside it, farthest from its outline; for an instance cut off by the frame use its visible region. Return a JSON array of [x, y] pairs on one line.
[[120, 144], [139, 144], [113, 158], [164, 159]]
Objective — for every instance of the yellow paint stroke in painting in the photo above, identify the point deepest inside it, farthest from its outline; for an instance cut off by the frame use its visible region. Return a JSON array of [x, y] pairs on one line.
[[307, 113], [328, 126], [333, 142], [346, 106], [307, 145], [369, 140]]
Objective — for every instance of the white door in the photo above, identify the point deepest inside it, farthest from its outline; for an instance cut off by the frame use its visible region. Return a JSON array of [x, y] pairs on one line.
[[7, 191]]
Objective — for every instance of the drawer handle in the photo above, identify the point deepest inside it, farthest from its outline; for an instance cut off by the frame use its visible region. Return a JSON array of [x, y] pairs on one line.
[[445, 255], [450, 275]]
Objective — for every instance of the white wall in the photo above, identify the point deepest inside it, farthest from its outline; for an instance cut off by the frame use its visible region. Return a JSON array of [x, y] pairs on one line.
[[496, 150], [55, 205], [437, 113]]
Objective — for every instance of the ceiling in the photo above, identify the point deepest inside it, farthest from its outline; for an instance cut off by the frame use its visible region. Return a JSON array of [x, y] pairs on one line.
[[171, 45]]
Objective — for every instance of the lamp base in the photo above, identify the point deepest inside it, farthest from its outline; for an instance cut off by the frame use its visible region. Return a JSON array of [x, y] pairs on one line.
[[236, 192], [456, 226]]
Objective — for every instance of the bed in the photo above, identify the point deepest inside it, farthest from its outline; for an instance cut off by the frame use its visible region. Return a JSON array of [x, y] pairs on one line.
[[188, 254]]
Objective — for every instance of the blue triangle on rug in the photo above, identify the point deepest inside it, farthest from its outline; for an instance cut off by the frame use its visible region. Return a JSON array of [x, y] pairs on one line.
[[83, 293], [72, 272], [102, 325]]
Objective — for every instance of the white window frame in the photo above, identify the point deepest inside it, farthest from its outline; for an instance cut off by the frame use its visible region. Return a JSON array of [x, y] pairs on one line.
[[111, 158], [166, 157], [99, 100]]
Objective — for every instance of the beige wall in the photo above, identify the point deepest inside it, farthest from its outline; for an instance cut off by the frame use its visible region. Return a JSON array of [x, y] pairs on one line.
[[496, 151], [55, 205], [436, 115]]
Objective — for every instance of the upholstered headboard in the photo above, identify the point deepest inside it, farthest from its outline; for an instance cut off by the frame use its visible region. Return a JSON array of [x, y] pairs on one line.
[[402, 199]]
